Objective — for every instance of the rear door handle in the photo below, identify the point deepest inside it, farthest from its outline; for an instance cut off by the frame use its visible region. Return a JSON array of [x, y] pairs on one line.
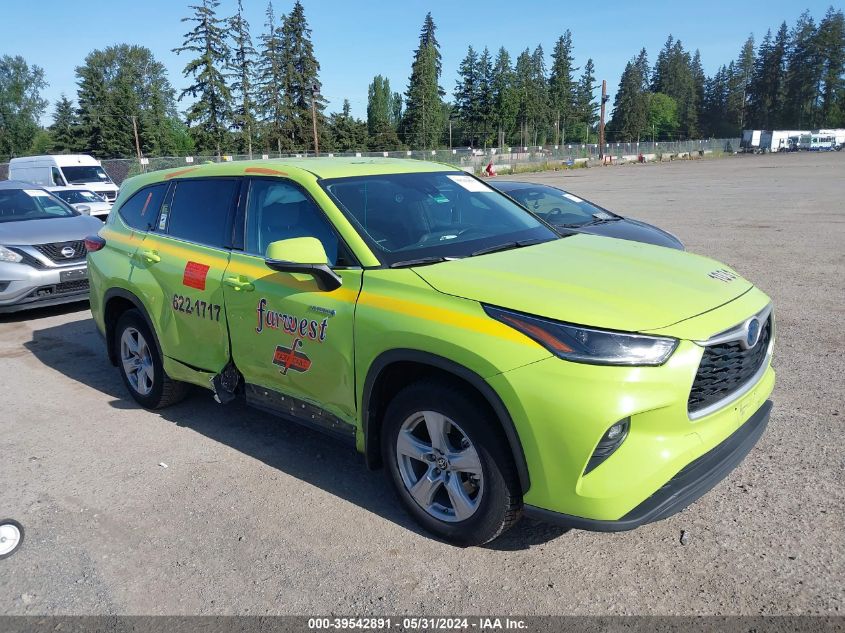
[[239, 283], [151, 257]]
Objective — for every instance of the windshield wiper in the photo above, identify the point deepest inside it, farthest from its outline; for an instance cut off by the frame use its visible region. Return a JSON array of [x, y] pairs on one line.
[[507, 246], [420, 261]]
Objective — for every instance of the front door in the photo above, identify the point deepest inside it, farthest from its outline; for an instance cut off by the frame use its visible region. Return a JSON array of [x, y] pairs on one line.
[[187, 254], [292, 341]]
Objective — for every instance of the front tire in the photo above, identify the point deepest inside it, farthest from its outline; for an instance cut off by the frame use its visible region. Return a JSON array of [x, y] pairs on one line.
[[141, 366], [449, 464]]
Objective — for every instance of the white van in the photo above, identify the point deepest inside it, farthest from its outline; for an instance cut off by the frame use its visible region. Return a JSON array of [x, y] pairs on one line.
[[70, 170]]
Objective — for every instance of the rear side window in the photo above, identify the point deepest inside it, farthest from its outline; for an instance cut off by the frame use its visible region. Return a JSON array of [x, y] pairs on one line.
[[199, 210], [141, 210]]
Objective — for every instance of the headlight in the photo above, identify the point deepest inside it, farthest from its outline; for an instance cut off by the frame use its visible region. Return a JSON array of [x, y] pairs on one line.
[[8, 255], [587, 345]]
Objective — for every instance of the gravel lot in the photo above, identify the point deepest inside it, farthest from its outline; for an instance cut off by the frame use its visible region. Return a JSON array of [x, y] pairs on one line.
[[257, 516]]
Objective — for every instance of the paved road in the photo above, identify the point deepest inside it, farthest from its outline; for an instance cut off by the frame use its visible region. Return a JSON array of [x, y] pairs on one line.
[[255, 516]]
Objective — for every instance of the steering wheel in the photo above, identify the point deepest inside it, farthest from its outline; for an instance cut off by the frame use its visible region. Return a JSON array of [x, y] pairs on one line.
[[553, 213]]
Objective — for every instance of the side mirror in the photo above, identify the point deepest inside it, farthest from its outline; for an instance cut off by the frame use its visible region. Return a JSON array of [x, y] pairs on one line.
[[84, 209], [303, 255]]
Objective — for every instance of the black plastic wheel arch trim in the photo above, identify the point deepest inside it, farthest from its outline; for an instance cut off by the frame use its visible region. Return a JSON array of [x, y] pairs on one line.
[[694, 480], [371, 442]]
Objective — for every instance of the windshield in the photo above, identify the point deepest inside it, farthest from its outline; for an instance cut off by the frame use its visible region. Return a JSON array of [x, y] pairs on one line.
[[432, 215], [78, 196], [85, 173], [558, 207], [31, 204]]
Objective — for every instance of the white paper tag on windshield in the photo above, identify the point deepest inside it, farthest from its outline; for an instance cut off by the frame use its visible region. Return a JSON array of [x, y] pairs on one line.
[[601, 215], [573, 198], [470, 184], [36, 193]]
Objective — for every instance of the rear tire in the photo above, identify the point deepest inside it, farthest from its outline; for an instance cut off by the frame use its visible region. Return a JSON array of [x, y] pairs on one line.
[[449, 463], [141, 366]]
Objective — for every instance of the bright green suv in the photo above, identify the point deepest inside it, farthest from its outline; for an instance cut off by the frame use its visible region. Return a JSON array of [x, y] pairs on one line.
[[493, 366]]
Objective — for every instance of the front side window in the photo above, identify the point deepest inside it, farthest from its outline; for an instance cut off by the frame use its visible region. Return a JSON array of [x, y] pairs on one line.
[[437, 214], [141, 210], [31, 204], [57, 176], [279, 210], [199, 211]]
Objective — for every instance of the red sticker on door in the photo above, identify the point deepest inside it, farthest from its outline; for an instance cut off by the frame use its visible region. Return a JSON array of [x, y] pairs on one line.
[[195, 275]]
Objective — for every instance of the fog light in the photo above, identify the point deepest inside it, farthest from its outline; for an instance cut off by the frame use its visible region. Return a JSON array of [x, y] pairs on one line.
[[609, 442]]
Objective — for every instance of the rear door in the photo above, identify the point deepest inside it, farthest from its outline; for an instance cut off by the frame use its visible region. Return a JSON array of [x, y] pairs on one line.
[[292, 342], [186, 254]]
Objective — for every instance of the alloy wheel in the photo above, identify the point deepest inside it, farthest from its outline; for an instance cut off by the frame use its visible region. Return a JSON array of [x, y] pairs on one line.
[[137, 361], [439, 466]]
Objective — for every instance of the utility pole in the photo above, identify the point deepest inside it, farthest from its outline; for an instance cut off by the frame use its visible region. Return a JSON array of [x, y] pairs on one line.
[[450, 132], [601, 120], [314, 93], [137, 142]]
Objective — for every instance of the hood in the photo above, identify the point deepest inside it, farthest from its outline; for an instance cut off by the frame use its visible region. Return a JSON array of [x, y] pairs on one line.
[[590, 280], [27, 232], [627, 229]]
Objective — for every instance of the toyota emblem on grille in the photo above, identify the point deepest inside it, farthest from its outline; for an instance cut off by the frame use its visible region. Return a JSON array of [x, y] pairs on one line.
[[752, 333], [68, 252]]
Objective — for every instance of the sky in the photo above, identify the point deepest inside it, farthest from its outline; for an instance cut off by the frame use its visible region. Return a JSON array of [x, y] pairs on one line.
[[356, 40]]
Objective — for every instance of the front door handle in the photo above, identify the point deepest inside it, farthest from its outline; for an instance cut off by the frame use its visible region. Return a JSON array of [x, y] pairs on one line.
[[150, 256], [239, 283]]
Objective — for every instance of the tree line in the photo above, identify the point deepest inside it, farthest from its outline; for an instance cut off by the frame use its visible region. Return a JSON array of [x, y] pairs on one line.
[[795, 79], [261, 93]]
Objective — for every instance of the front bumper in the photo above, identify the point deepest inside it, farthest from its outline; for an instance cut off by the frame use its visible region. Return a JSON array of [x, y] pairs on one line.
[[684, 488], [23, 286]]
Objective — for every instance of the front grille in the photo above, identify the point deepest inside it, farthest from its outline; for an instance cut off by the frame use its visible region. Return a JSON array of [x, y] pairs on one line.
[[63, 288], [725, 368], [72, 286], [54, 251]]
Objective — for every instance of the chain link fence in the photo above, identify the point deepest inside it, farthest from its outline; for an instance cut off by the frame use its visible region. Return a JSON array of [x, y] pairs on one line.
[[505, 159]]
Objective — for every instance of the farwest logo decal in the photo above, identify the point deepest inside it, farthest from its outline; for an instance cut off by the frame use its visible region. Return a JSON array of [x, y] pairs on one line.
[[291, 358], [302, 327]]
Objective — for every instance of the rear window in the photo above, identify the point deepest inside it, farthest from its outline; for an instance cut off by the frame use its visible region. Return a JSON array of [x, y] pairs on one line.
[[199, 210], [141, 210]]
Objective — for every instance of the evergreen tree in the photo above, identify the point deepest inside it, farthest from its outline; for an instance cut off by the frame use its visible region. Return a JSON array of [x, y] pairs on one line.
[[428, 38], [562, 88], [422, 123], [347, 133], [21, 105], [766, 91], [485, 97], [301, 81], [65, 127], [505, 104], [831, 46], [630, 106], [540, 107], [242, 74], [209, 116], [587, 108], [467, 92], [803, 74], [673, 75], [744, 73], [270, 97]]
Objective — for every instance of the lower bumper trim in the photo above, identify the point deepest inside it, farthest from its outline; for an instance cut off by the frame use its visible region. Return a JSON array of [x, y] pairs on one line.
[[693, 481]]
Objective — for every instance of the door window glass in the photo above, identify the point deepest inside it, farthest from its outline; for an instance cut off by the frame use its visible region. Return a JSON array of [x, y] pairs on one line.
[[141, 209], [199, 211], [279, 210]]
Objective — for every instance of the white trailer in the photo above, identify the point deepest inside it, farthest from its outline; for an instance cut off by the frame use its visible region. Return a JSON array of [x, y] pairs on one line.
[[750, 141]]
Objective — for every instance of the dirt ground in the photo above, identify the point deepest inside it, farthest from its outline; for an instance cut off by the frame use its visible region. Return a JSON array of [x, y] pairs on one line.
[[252, 515]]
